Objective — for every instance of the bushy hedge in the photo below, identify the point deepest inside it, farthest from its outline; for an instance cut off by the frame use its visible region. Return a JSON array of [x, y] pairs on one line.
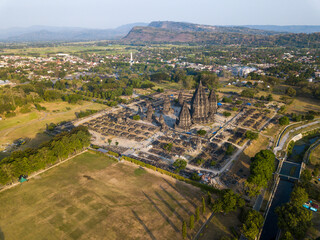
[[88, 112], [176, 176], [113, 154], [31, 160]]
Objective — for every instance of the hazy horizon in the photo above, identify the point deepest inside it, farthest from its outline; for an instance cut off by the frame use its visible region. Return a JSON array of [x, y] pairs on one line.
[[101, 14]]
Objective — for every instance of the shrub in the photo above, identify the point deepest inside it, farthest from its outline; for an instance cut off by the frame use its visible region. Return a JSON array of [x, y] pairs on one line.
[[252, 135], [136, 117], [284, 121], [226, 114], [174, 175], [202, 132], [10, 114], [226, 100], [230, 149]]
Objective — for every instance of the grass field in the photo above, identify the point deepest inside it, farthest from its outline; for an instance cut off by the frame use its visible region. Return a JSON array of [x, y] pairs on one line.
[[220, 226], [315, 156], [93, 197], [31, 124]]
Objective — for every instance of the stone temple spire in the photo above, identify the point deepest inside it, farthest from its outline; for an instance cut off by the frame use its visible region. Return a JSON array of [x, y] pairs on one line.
[[166, 105], [184, 120], [212, 104], [180, 99], [199, 106], [164, 126], [149, 113]]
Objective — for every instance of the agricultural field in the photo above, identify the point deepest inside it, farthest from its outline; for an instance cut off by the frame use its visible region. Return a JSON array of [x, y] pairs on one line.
[[31, 125], [73, 48], [93, 197]]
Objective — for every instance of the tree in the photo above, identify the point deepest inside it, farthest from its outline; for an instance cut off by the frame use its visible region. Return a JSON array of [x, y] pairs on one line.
[[292, 216], [249, 93], [188, 82], [261, 168], [191, 222], [294, 219], [202, 132], [197, 214], [136, 117], [252, 224], [284, 121], [109, 141], [287, 236], [298, 196], [306, 176], [291, 92], [168, 147], [117, 143], [180, 164], [184, 230], [230, 150], [199, 161], [252, 190], [226, 114], [252, 135], [229, 201], [203, 205]]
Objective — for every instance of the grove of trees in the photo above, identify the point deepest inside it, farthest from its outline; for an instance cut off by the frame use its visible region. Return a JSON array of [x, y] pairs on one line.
[[32, 160]]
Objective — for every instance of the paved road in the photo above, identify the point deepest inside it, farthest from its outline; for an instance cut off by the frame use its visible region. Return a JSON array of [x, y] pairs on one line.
[[284, 139]]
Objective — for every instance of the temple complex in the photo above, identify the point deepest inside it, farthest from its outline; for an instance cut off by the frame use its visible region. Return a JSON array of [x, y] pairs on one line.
[[180, 99], [202, 111], [199, 106], [166, 105], [184, 120]]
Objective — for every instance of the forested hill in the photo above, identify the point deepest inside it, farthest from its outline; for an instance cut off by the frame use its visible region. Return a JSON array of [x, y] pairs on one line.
[[172, 32]]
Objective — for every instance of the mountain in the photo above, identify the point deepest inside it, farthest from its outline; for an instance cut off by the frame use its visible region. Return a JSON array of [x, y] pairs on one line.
[[48, 33], [191, 27], [288, 29], [175, 32]]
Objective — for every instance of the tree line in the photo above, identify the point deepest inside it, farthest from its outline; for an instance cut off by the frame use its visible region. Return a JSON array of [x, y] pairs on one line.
[[31, 160]]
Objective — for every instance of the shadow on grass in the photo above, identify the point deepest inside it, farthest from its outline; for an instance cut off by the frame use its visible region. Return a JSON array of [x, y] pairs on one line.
[[174, 199], [162, 213], [144, 225], [185, 197], [1, 235], [169, 206]]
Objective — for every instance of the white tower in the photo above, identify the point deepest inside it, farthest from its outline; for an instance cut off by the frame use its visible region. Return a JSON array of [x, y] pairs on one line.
[[131, 59]]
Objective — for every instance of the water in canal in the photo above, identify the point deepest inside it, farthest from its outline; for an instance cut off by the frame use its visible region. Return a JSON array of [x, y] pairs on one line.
[[285, 187]]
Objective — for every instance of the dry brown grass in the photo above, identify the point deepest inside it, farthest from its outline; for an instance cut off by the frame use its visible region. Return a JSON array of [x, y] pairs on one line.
[[93, 197], [29, 125], [220, 226]]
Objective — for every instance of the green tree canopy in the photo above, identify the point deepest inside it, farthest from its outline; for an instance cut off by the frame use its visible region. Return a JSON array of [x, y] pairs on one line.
[[180, 164], [284, 121], [252, 224]]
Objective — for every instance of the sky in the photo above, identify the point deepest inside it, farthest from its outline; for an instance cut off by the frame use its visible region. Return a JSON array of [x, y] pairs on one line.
[[112, 13]]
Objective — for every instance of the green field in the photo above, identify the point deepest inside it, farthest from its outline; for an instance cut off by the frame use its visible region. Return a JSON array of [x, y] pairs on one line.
[[94, 197], [32, 124], [315, 156]]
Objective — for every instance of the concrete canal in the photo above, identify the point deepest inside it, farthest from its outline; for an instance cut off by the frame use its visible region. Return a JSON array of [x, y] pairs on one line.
[[289, 173]]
